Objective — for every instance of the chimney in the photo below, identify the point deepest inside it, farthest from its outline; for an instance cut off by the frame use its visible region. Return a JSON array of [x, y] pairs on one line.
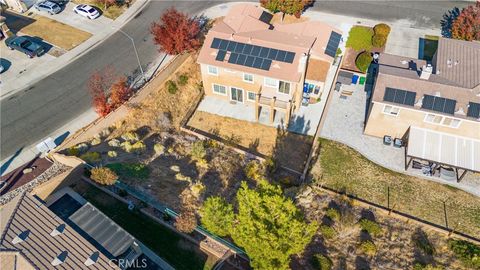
[[302, 63], [426, 72]]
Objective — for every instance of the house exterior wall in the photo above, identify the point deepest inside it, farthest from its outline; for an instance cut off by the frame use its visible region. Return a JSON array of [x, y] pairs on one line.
[[380, 124], [17, 5]]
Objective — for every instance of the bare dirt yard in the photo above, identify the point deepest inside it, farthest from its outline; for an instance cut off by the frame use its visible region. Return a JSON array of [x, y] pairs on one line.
[[289, 149]]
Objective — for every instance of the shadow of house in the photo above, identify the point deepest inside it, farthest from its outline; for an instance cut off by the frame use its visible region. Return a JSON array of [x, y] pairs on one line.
[[299, 125], [61, 138], [5, 165], [361, 263], [17, 22]]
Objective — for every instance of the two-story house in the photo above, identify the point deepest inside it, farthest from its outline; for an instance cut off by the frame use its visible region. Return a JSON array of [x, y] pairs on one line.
[[247, 60]]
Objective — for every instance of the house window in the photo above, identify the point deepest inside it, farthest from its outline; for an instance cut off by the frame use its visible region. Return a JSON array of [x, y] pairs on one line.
[[236, 94], [451, 122], [219, 89], [248, 77], [433, 118], [271, 82], [212, 70], [284, 87], [442, 120], [251, 96], [391, 110]]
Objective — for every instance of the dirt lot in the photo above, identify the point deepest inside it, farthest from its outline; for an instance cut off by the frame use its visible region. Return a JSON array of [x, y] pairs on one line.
[[399, 245], [51, 31], [341, 168], [290, 149]]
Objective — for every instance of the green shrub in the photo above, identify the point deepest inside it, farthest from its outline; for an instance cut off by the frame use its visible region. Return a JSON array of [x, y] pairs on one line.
[[182, 79], [368, 247], [91, 157], [379, 41], [159, 148], [370, 226], [327, 232], [339, 51], [467, 252], [198, 150], [112, 154], [130, 136], [172, 87], [333, 214], [321, 262], [139, 147], [363, 61], [381, 29], [270, 165], [130, 170], [73, 151], [253, 170]]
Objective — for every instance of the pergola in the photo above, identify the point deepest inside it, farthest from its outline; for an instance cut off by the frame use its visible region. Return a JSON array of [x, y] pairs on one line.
[[443, 149]]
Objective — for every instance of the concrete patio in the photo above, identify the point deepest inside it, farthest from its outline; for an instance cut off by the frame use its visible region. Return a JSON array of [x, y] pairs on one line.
[[345, 122]]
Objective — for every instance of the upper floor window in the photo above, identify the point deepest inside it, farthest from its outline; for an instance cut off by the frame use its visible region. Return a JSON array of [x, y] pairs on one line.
[[442, 120], [271, 82], [212, 70], [391, 110], [219, 89], [284, 87], [248, 77]]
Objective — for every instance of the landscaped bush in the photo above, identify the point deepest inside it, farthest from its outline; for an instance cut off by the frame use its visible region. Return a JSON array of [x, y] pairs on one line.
[[363, 61], [379, 41], [253, 170], [172, 87], [112, 154], [321, 262], [130, 136], [159, 148], [327, 232], [104, 176], [182, 79], [96, 141], [360, 38], [73, 151], [77, 149], [468, 252], [130, 170], [370, 226], [381, 29], [137, 147], [91, 157], [333, 214], [198, 150], [368, 247], [114, 143]]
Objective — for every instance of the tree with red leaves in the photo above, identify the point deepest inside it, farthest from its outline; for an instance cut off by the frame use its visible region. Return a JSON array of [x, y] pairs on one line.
[[176, 33], [98, 86], [292, 7], [119, 93], [467, 25]]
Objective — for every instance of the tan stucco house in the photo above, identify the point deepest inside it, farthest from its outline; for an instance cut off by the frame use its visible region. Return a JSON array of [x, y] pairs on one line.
[[246, 59]]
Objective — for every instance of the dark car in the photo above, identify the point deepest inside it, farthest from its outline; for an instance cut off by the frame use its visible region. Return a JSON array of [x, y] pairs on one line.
[[25, 45], [60, 2]]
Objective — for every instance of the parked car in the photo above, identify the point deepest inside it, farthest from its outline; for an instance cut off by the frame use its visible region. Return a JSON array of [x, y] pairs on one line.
[[48, 6], [25, 45], [86, 11], [60, 2]]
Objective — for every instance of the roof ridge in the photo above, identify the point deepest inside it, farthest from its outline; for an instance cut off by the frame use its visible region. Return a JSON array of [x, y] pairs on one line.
[[14, 212]]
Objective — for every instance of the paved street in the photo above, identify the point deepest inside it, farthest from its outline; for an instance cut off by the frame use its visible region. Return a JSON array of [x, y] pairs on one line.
[[36, 112]]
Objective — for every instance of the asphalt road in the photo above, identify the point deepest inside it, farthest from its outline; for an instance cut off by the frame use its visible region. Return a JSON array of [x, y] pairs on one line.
[[33, 114]]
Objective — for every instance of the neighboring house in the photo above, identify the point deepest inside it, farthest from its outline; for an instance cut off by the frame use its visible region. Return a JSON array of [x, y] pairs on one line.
[[33, 237], [435, 108], [247, 60]]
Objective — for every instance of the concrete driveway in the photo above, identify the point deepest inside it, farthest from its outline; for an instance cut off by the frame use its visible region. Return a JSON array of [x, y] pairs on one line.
[[67, 16], [406, 41]]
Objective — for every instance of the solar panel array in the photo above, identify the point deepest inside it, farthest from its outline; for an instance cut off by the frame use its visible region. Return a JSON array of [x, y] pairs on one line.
[[332, 44], [473, 110], [399, 96], [250, 55], [439, 104]]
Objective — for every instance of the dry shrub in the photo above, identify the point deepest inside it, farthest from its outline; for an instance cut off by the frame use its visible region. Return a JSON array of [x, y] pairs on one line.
[[112, 154], [114, 143], [186, 222], [368, 247], [197, 189], [254, 171], [104, 176], [159, 149], [182, 177], [96, 141]]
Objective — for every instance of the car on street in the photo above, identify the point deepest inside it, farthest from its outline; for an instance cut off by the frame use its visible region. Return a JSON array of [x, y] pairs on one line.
[[25, 45], [49, 7], [86, 11]]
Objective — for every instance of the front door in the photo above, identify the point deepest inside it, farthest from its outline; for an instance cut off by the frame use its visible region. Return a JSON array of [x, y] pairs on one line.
[[236, 94]]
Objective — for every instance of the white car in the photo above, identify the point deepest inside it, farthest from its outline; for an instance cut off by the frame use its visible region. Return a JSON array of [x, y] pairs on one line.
[[86, 11]]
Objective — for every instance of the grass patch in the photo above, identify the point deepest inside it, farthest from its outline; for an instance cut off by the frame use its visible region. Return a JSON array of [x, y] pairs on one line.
[[112, 12], [342, 168], [177, 251], [130, 170], [360, 38]]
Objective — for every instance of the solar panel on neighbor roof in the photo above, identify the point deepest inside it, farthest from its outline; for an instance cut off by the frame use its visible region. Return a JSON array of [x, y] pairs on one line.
[[332, 44], [473, 110], [247, 54], [399, 96], [220, 55], [439, 104]]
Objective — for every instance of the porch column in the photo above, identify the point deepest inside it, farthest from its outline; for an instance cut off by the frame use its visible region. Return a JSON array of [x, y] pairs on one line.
[[287, 113], [257, 106], [272, 109]]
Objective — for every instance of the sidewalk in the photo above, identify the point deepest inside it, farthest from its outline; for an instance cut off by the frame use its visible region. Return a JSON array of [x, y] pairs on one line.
[[29, 77]]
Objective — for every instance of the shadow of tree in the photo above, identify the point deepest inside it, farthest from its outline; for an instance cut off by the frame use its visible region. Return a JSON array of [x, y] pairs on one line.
[[361, 263]]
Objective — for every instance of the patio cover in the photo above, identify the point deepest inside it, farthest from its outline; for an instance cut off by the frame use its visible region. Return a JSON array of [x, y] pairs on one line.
[[101, 228], [447, 149]]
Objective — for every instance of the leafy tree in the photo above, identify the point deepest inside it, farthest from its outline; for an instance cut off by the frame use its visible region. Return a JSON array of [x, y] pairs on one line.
[[217, 216], [363, 61], [98, 91], [447, 22], [176, 33], [269, 226], [104, 176], [120, 92], [467, 25], [382, 29], [292, 7]]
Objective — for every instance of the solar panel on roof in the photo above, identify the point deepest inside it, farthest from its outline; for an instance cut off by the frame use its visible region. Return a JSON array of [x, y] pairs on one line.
[[233, 58], [389, 94], [332, 44], [256, 50], [239, 48], [220, 55], [410, 98], [241, 59], [231, 46], [399, 96], [258, 62], [439, 104], [266, 64], [281, 55], [249, 62], [428, 102], [289, 57], [247, 49], [215, 43], [272, 54], [473, 110], [223, 44], [449, 106], [264, 52]]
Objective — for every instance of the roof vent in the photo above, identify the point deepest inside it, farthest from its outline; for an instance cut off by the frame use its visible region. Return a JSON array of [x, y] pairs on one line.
[[449, 62], [21, 237], [60, 258], [92, 259], [456, 62], [460, 111], [58, 230]]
